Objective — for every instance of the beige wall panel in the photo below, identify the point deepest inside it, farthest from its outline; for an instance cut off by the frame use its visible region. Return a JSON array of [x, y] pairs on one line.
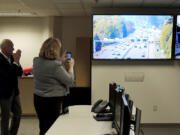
[[82, 69]]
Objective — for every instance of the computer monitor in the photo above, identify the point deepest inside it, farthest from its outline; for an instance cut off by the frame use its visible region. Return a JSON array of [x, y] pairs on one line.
[[112, 92], [126, 116], [137, 121], [118, 113], [131, 105], [127, 97], [130, 102]]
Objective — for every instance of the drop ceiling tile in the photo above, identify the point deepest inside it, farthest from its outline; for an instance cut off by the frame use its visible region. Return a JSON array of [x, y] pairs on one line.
[[73, 12], [78, 7], [103, 3], [121, 2], [65, 5], [67, 1], [48, 13], [88, 4], [38, 4], [157, 2]]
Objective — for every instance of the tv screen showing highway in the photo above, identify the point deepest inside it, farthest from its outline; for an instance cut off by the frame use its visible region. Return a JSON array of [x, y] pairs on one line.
[[132, 36]]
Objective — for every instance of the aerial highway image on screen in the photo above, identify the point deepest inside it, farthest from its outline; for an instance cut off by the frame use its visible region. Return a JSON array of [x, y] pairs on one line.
[[132, 36]]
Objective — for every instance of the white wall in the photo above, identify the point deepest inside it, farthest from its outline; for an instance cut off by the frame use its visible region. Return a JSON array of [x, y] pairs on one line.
[[160, 86], [27, 34]]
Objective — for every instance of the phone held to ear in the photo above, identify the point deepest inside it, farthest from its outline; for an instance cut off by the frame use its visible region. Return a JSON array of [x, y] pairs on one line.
[[68, 54], [100, 106]]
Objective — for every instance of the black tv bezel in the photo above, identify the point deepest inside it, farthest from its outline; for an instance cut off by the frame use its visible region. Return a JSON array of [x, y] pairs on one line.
[[151, 59], [175, 31]]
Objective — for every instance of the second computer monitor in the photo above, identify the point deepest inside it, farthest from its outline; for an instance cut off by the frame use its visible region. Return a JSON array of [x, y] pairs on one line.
[[118, 113], [112, 94], [137, 121]]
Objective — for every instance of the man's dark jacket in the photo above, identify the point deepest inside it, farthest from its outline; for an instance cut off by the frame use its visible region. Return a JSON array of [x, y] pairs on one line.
[[9, 73]]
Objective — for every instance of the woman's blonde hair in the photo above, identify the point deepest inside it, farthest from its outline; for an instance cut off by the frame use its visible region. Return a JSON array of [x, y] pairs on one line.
[[50, 49]]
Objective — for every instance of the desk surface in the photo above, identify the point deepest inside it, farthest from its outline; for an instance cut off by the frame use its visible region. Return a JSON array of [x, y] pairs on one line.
[[80, 121]]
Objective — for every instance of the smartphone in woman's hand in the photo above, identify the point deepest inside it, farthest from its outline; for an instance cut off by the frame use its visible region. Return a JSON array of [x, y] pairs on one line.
[[68, 54]]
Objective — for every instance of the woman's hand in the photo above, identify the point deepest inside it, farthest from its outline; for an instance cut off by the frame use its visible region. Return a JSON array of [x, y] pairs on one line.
[[71, 65]]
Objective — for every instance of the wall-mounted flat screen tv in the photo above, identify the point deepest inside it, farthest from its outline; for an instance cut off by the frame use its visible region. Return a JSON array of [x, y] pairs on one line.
[[177, 47], [120, 37]]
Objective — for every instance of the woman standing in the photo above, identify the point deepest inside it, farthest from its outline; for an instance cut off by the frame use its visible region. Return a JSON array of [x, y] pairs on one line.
[[51, 82]]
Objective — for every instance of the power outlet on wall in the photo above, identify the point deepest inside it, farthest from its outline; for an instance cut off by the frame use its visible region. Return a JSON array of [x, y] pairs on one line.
[[155, 108]]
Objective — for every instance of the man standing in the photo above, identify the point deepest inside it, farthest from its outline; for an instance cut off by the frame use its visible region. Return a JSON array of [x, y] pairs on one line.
[[10, 69]]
